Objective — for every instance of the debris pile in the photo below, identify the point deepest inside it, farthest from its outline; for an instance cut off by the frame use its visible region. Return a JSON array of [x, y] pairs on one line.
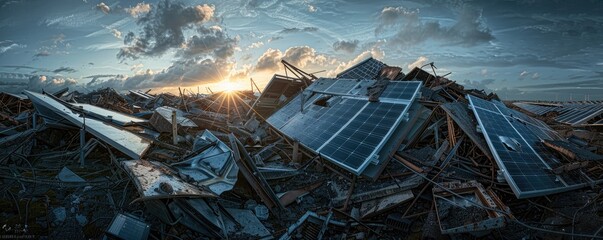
[[373, 153]]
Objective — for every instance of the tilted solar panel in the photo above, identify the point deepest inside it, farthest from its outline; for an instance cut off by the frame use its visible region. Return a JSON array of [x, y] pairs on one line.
[[516, 142], [367, 69], [345, 128]]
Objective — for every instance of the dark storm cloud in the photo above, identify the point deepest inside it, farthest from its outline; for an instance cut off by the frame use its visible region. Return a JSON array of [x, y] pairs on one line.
[[212, 40], [162, 29], [469, 28], [64, 69], [203, 57], [296, 30], [346, 46]]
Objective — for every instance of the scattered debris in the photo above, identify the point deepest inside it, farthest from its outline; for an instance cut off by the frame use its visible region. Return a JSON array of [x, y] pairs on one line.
[[350, 157], [125, 226]]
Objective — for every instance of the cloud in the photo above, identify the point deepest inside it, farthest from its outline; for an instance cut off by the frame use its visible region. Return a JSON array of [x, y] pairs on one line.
[[162, 29], [535, 76], [478, 84], [8, 45], [104, 46], [299, 56], [296, 30], [212, 40], [43, 53], [116, 33], [587, 84], [9, 2], [422, 60], [255, 45], [14, 76], [139, 10], [64, 69], [38, 83], [58, 39], [312, 8], [274, 38], [468, 30], [100, 76], [182, 73], [17, 67], [241, 73], [269, 61], [393, 15], [55, 45], [136, 67], [346, 46], [103, 7]]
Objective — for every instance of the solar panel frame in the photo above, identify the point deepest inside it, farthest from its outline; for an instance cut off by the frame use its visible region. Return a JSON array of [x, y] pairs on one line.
[[527, 172], [367, 69], [298, 126], [568, 113]]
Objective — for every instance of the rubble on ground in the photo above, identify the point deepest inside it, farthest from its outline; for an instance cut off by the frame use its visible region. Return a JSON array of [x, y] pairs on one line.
[[373, 153]]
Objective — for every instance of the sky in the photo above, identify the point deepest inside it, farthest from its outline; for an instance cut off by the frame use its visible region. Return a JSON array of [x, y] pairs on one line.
[[524, 49]]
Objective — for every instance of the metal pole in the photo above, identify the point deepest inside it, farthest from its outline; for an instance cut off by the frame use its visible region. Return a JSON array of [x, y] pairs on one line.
[[82, 138], [174, 128], [34, 124]]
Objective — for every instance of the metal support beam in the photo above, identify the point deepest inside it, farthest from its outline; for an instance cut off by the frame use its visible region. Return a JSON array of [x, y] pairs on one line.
[[295, 156], [82, 139], [174, 129]]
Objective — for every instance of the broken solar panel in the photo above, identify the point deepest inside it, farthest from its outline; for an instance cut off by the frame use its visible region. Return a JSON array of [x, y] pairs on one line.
[[568, 113], [131, 144], [536, 109], [367, 69], [516, 141], [576, 114], [338, 122]]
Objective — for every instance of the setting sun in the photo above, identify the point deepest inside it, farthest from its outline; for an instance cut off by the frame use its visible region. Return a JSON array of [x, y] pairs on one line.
[[228, 86]]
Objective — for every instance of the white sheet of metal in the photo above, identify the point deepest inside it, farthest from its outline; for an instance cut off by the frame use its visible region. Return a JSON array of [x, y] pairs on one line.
[[124, 141]]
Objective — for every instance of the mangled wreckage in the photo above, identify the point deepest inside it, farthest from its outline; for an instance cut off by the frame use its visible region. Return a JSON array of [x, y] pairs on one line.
[[371, 153]]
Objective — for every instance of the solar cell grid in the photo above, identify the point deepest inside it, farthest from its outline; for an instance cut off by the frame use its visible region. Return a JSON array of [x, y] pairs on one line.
[[369, 69], [526, 168], [399, 90], [569, 113], [348, 130], [356, 142]]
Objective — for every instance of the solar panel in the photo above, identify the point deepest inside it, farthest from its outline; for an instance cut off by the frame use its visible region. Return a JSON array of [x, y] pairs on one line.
[[367, 69], [360, 138], [399, 90], [576, 114], [536, 109], [345, 128], [569, 113], [516, 144]]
